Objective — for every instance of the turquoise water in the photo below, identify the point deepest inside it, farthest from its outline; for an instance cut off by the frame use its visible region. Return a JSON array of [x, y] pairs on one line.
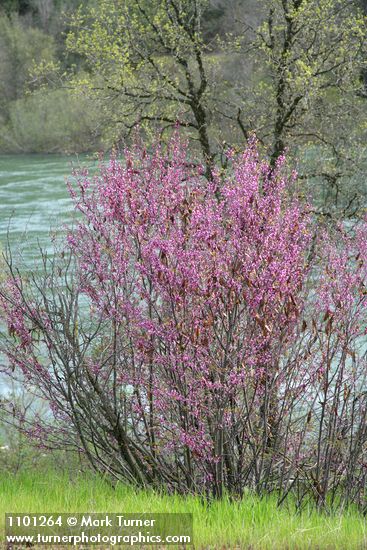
[[34, 200]]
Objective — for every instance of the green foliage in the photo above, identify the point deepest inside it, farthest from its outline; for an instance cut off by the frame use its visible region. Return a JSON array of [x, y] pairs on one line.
[[151, 58], [248, 523], [294, 79], [42, 120], [304, 94], [54, 121], [21, 47], [16, 6], [308, 55]]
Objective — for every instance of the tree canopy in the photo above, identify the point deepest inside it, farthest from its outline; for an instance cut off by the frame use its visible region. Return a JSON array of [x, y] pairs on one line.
[[293, 79]]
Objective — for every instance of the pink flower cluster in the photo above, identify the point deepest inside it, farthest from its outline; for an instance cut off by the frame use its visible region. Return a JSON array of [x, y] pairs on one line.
[[206, 335], [203, 280]]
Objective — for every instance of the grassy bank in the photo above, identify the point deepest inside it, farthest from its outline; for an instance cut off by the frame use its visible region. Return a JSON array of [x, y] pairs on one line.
[[250, 524]]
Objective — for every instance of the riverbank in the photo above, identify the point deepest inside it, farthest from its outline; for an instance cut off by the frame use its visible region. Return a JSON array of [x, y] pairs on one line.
[[249, 524]]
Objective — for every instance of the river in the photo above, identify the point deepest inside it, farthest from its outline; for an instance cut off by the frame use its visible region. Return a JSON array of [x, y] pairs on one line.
[[34, 199]]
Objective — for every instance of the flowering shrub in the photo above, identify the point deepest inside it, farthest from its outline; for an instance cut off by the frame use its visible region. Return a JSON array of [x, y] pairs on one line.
[[182, 339]]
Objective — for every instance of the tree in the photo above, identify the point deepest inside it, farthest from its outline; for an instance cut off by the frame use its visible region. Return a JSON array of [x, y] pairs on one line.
[[303, 97], [20, 48], [293, 79], [20, 7], [45, 120], [173, 315], [44, 10], [364, 69], [149, 56], [35, 125]]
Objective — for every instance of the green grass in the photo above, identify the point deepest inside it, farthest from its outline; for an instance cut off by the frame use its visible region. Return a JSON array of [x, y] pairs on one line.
[[249, 524]]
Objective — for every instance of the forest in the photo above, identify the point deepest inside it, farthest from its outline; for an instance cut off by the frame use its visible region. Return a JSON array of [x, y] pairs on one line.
[[194, 334], [63, 119]]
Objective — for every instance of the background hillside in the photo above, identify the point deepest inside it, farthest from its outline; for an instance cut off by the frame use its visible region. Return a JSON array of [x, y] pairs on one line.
[[36, 118]]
